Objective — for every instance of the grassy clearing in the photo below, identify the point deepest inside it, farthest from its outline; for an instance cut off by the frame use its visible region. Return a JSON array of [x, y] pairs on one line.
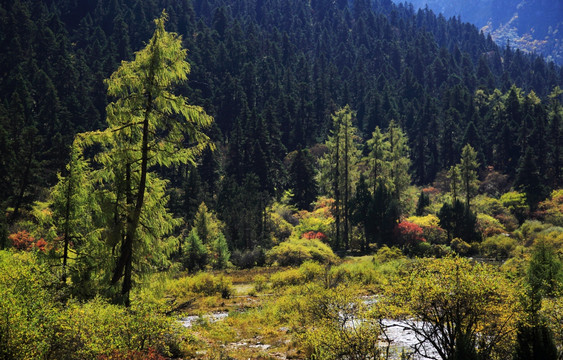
[[267, 306]]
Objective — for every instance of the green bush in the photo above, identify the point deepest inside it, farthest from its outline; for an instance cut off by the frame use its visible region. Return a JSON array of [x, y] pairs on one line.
[[498, 246], [489, 225], [27, 308], [531, 229], [332, 333], [516, 203], [260, 283], [363, 273], [205, 284], [248, 258], [34, 324], [312, 270], [287, 278], [97, 329], [460, 246], [387, 254], [551, 209], [297, 251]]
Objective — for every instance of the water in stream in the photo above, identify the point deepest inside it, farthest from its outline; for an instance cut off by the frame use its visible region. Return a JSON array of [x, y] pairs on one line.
[[399, 337]]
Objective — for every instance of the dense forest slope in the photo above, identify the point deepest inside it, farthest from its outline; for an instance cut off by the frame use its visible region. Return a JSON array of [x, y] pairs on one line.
[[533, 26], [348, 141], [272, 73]]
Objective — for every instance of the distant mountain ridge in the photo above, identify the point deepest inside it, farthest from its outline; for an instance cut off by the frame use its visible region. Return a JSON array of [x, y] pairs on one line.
[[530, 25]]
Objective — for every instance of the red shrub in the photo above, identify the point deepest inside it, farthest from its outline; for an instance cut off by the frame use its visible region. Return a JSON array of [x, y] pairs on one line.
[[41, 244], [408, 233], [430, 190], [314, 235], [22, 240]]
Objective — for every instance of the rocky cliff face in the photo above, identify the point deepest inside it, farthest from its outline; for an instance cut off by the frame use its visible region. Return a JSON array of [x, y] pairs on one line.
[[531, 25]]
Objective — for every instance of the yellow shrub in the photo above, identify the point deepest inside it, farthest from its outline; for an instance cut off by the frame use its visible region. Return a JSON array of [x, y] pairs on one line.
[[424, 221], [297, 251]]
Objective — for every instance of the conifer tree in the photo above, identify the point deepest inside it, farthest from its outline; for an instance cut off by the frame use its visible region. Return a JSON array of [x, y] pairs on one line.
[[454, 177], [399, 161], [148, 125], [468, 172], [195, 253], [73, 206], [220, 252], [528, 179], [302, 180], [378, 146], [555, 139], [339, 172]]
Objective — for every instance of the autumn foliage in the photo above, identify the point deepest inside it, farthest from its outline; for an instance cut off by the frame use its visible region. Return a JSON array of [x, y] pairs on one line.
[[22, 240], [407, 233], [315, 235]]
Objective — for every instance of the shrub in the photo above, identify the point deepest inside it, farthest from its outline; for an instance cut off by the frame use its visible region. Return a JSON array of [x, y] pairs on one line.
[[531, 229], [431, 230], [260, 283], [33, 325], [440, 251], [421, 249], [424, 221], [408, 234], [320, 220], [458, 307], [203, 283], [551, 210], [97, 329], [248, 258], [287, 278], [489, 226], [27, 309], [297, 251], [207, 284], [516, 203], [460, 246], [494, 183], [309, 271], [362, 273], [281, 228], [498, 246], [312, 270], [333, 333], [495, 208], [149, 354], [22, 240], [386, 254]]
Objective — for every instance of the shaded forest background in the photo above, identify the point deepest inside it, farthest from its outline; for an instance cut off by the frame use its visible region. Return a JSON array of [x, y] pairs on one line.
[[272, 73]]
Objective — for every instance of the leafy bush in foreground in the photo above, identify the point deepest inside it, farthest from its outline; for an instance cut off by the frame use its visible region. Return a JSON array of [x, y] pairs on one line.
[[34, 325]]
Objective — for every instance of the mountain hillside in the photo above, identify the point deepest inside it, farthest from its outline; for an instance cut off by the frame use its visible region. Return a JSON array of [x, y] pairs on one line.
[[272, 73], [531, 25]]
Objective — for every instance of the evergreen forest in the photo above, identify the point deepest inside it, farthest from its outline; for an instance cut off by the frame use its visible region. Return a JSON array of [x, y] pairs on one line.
[[275, 179]]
